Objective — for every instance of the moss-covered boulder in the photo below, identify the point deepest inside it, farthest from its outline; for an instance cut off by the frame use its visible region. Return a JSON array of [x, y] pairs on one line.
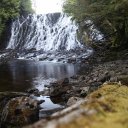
[[20, 111], [106, 108]]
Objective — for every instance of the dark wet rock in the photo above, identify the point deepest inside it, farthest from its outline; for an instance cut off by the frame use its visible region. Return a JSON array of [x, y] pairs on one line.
[[74, 77], [105, 77], [123, 79], [60, 59], [59, 100], [47, 86], [40, 102], [20, 111], [84, 92], [59, 90], [62, 82], [45, 92], [42, 59], [94, 86], [82, 78], [7, 56], [6, 96], [34, 91], [83, 84], [32, 50], [71, 60], [59, 87], [65, 81]]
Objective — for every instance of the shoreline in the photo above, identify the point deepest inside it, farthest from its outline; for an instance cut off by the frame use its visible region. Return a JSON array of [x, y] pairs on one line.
[[77, 88]]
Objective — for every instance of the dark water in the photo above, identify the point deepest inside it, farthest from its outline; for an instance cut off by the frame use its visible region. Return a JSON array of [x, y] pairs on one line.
[[21, 75]]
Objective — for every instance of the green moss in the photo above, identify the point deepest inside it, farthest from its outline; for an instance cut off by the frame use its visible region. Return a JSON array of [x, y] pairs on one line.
[[110, 104]]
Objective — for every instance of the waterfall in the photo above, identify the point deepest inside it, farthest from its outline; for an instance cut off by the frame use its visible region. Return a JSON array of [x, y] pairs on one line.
[[48, 32], [44, 33]]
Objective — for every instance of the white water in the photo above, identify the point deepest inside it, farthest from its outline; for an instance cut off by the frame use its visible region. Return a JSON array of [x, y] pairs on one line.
[[48, 32]]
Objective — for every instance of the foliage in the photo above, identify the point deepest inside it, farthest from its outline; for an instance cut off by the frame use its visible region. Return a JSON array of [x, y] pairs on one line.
[[25, 7], [110, 16], [10, 9]]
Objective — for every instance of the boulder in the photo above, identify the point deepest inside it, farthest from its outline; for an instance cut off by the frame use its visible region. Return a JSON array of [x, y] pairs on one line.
[[123, 79], [58, 90], [105, 77], [84, 92], [34, 91], [20, 111], [59, 87]]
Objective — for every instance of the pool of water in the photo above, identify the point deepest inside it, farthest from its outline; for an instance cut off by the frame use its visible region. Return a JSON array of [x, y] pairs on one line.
[[21, 75]]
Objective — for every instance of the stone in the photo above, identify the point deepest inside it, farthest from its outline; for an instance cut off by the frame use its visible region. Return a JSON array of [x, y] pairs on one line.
[[82, 78], [73, 100], [71, 60], [34, 91], [84, 91], [123, 79], [104, 78], [65, 81], [94, 86], [59, 87], [74, 77], [20, 111], [58, 90], [40, 102]]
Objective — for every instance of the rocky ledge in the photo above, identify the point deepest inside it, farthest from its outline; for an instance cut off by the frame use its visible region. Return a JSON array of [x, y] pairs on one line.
[[76, 87], [94, 100], [105, 108], [83, 102]]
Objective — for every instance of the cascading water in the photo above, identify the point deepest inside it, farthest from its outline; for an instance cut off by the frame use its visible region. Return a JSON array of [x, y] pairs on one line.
[[45, 36]]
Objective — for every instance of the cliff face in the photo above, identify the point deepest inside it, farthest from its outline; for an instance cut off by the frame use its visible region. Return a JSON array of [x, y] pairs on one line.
[[5, 36]]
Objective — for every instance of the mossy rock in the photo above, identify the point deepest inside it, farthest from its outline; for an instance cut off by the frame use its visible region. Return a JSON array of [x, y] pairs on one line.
[[110, 106], [20, 111]]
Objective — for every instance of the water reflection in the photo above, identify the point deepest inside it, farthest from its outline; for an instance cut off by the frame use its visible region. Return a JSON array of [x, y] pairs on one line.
[[21, 75]]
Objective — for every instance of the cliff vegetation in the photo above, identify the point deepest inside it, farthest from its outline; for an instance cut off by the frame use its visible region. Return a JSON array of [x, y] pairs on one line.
[[109, 17]]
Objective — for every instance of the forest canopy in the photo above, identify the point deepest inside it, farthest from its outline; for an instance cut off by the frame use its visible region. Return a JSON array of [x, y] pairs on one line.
[[109, 16], [9, 9]]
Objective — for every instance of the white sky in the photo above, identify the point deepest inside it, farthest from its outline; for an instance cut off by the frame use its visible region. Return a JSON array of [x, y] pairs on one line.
[[47, 6]]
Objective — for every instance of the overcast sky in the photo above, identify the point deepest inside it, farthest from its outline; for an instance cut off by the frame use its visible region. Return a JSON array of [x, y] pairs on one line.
[[47, 6]]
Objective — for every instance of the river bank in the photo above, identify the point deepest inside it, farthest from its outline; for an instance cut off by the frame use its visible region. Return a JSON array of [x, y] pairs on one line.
[[99, 95], [70, 90], [104, 108]]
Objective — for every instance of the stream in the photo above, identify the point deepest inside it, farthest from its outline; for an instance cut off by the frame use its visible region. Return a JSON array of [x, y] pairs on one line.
[[21, 75]]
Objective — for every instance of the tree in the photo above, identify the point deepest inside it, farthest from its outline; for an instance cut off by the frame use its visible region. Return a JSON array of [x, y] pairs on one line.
[[25, 7], [10, 9], [110, 17]]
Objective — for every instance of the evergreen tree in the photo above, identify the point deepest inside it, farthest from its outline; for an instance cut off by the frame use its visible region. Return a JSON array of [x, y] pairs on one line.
[[10, 9], [110, 16]]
